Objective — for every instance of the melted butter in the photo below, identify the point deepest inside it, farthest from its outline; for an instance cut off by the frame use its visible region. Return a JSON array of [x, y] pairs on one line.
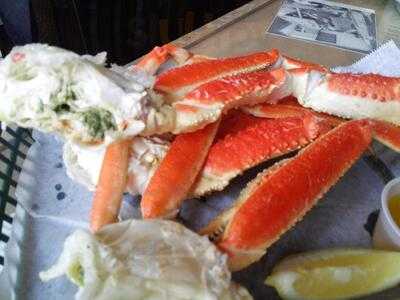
[[394, 208]]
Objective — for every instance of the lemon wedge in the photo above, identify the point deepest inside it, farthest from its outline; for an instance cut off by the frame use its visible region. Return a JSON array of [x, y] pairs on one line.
[[335, 274]]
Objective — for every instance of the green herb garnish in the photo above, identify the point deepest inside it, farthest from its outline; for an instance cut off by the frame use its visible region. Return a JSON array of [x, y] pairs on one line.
[[60, 108], [97, 121]]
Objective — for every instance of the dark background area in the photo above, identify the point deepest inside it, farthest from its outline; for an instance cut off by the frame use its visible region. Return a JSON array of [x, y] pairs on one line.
[[126, 29]]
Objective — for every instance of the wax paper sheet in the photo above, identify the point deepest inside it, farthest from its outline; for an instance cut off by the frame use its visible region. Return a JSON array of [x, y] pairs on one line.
[[51, 206]]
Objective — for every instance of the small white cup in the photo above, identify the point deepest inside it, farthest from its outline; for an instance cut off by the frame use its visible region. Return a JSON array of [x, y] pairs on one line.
[[387, 234]]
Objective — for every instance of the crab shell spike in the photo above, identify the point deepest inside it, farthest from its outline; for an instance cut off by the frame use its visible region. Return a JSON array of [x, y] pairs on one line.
[[291, 63], [387, 134], [175, 175], [245, 141], [206, 103], [280, 196], [354, 96], [151, 62], [176, 83]]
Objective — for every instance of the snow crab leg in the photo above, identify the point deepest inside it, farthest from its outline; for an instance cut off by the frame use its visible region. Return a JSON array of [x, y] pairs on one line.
[[384, 132], [187, 145], [111, 185], [245, 141], [162, 197], [354, 96], [175, 83], [204, 89], [280, 196], [209, 101], [175, 175], [114, 172], [198, 77]]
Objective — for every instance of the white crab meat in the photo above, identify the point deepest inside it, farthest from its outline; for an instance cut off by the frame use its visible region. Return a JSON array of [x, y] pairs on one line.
[[83, 164], [354, 96], [55, 90]]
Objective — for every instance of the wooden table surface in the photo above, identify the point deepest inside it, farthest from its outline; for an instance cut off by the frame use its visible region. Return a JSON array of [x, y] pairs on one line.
[[244, 30]]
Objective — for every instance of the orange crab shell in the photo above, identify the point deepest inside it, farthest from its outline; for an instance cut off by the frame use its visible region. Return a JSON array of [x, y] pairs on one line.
[[172, 180], [373, 86], [354, 96], [177, 82], [280, 196], [209, 101], [244, 141]]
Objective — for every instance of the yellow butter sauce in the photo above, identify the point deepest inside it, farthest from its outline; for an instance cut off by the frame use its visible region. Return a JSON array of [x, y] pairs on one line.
[[394, 208]]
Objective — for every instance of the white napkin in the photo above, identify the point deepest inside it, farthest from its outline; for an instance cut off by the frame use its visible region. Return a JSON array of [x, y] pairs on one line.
[[385, 60]]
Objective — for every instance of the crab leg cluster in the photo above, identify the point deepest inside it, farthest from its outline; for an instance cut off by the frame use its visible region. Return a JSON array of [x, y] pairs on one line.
[[232, 114], [249, 141], [282, 194], [176, 83]]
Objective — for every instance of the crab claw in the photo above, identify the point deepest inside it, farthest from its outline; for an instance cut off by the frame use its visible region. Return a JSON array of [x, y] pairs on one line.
[[348, 95], [151, 62], [280, 196], [244, 141], [175, 175], [209, 101], [174, 84]]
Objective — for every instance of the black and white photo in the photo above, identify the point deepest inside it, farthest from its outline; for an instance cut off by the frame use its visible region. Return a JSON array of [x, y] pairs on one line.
[[336, 24]]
